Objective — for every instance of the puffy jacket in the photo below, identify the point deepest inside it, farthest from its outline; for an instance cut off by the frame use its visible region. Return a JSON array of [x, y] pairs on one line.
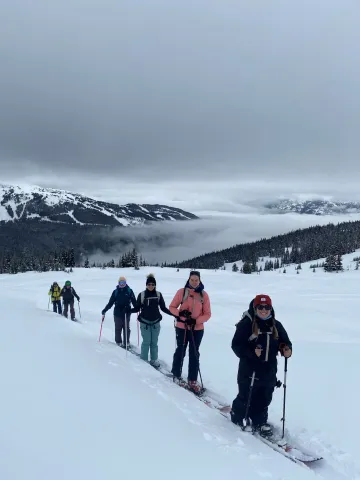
[[68, 294], [55, 292], [197, 303], [122, 298], [245, 341]]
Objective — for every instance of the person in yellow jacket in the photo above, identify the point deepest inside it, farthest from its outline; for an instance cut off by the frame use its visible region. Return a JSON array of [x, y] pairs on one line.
[[55, 292]]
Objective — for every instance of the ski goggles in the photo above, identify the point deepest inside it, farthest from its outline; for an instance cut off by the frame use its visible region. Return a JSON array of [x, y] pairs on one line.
[[264, 307], [122, 283]]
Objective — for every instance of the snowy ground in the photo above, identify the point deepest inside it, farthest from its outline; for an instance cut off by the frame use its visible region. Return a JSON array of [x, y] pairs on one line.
[[73, 408]]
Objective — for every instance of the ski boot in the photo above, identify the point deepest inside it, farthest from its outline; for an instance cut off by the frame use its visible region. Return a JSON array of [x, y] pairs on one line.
[[265, 430]]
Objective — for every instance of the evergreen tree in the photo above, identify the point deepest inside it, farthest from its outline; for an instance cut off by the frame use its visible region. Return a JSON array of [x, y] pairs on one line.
[[235, 268], [330, 263], [339, 264], [247, 268]]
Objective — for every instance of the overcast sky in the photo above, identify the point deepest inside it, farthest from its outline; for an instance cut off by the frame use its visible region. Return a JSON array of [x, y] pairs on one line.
[[117, 93]]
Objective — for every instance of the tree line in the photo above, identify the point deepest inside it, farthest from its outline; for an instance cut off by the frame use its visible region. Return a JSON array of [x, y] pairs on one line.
[[329, 242], [303, 245]]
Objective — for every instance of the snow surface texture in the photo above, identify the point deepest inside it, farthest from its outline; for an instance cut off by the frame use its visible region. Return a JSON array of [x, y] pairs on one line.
[[29, 202], [74, 408]]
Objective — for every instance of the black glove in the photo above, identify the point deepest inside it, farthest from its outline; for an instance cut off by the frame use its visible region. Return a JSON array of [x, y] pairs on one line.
[[191, 322], [103, 312], [185, 313]]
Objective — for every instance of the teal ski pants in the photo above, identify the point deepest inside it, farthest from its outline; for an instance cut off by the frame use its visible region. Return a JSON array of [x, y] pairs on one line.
[[150, 336]]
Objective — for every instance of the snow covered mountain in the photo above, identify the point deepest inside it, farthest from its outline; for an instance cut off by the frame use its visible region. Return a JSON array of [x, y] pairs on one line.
[[313, 207], [58, 206]]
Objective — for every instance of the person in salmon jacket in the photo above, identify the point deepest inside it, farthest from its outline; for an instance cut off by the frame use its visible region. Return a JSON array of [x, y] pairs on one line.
[[191, 306]]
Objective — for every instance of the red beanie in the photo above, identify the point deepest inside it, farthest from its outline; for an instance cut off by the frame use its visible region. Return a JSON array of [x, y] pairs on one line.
[[262, 299]]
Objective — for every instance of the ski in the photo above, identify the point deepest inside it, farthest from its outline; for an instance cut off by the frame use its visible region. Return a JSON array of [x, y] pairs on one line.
[[289, 451], [279, 445]]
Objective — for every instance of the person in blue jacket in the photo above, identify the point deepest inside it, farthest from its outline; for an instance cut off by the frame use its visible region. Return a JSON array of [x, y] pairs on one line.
[[122, 297]]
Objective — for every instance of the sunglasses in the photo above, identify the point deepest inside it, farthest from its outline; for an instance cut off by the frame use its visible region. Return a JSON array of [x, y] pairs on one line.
[[264, 307], [151, 284]]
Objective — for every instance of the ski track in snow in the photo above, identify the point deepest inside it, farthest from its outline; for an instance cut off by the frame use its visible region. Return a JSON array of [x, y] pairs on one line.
[[311, 373]]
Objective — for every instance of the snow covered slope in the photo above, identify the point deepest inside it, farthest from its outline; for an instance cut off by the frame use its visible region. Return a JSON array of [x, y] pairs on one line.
[[74, 408], [50, 205]]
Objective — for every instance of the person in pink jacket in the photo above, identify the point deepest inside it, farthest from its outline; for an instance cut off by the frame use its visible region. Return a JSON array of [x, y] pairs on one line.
[[191, 306]]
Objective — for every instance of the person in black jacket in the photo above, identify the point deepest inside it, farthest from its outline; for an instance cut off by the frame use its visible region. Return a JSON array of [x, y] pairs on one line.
[[122, 297], [148, 303], [68, 294], [258, 339]]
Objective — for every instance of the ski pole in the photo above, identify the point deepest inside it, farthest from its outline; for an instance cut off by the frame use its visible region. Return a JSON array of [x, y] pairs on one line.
[[246, 418], [284, 400], [49, 303], [183, 351], [126, 332], [102, 321], [79, 308], [138, 329], [197, 354]]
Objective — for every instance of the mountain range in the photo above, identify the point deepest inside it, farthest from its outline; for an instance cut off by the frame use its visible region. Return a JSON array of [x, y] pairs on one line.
[[312, 207], [39, 225], [21, 204]]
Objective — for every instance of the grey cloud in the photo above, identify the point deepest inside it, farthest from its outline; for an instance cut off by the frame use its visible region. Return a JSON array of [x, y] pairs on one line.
[[174, 242], [148, 90]]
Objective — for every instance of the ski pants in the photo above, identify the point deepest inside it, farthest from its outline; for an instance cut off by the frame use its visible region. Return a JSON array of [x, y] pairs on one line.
[[122, 322], [72, 310], [150, 335], [57, 306], [183, 338], [260, 400]]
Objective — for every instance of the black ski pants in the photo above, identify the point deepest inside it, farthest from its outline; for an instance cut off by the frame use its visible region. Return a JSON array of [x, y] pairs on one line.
[[260, 400], [72, 310], [183, 339], [57, 306], [121, 322]]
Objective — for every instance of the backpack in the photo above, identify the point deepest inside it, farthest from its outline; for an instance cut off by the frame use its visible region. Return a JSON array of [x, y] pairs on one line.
[[142, 296], [128, 291]]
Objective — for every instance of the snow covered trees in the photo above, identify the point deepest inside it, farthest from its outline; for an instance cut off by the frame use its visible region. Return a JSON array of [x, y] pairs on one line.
[[333, 263]]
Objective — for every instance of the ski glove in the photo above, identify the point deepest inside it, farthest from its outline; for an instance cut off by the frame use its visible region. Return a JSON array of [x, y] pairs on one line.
[[285, 348], [185, 313], [191, 322]]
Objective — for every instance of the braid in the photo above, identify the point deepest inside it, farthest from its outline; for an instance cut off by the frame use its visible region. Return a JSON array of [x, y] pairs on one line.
[[275, 331], [255, 328]]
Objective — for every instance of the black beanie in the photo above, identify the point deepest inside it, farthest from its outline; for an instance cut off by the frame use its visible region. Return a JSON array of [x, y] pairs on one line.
[[150, 279]]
